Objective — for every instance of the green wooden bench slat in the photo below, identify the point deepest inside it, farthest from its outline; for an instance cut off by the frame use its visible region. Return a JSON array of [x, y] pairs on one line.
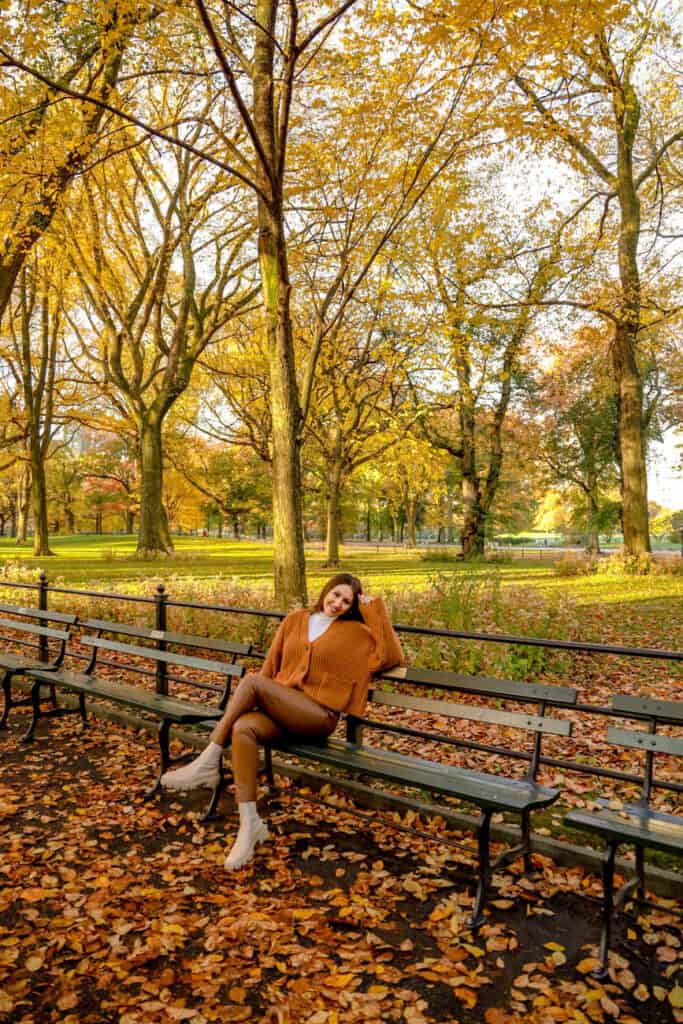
[[125, 629], [670, 709], [135, 696], [209, 643], [182, 639], [640, 826], [37, 613], [645, 741], [483, 685], [221, 667], [17, 662], [450, 709], [475, 787], [28, 627]]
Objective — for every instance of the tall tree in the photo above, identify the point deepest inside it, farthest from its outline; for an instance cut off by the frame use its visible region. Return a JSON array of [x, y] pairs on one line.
[[574, 412], [33, 347], [162, 267], [46, 145], [582, 80]]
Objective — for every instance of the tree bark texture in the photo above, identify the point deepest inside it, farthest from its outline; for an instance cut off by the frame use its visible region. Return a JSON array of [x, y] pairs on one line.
[[289, 568], [153, 534]]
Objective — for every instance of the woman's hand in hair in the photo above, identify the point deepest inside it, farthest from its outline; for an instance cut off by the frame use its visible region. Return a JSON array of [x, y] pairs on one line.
[[365, 599]]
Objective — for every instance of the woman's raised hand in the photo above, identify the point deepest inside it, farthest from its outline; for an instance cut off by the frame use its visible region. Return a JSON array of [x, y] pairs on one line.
[[364, 599]]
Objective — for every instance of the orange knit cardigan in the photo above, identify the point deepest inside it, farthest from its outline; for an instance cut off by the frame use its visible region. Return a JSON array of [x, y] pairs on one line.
[[336, 669]]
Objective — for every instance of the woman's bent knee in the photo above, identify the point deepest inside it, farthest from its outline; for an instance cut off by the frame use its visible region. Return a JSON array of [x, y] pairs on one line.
[[243, 729]]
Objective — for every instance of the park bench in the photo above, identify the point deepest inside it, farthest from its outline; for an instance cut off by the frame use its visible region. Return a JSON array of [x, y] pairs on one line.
[[490, 793], [637, 823], [148, 662], [35, 634]]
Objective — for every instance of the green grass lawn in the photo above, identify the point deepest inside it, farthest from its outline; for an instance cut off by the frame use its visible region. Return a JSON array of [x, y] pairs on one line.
[[107, 562]]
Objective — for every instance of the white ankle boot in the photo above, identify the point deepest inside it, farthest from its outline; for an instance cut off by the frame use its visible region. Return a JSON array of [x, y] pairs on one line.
[[253, 830], [203, 771]]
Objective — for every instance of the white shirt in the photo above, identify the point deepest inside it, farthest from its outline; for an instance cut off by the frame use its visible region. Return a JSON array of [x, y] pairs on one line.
[[318, 623]]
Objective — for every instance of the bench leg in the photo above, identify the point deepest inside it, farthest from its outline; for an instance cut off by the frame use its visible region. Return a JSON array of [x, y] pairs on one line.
[[7, 693], [607, 908], [640, 872], [81, 708], [210, 812], [268, 767], [164, 758], [526, 841], [35, 704], [483, 839]]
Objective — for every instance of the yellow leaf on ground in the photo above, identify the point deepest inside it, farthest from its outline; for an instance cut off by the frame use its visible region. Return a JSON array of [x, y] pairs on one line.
[[338, 980], [676, 997]]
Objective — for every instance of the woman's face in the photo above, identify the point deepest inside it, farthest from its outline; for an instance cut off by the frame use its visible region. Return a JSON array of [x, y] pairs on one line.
[[338, 600]]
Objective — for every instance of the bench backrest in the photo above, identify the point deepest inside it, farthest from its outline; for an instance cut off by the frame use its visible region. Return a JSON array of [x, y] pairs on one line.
[[535, 721], [35, 633], [66, 618], [656, 712], [206, 643], [156, 659], [484, 686]]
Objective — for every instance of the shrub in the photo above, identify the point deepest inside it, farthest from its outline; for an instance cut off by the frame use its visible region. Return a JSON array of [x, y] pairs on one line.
[[477, 603], [572, 564], [441, 554], [621, 563]]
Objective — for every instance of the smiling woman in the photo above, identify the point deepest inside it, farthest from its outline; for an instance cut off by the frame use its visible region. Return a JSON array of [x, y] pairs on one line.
[[319, 665]]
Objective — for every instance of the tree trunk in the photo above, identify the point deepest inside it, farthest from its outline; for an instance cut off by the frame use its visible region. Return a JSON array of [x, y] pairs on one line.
[[411, 521], [41, 539], [333, 514], [289, 567], [98, 522], [153, 538], [473, 523], [70, 520], [631, 443], [23, 503], [473, 533], [627, 373]]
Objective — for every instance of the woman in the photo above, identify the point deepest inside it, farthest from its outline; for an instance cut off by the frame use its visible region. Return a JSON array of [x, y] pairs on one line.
[[318, 666]]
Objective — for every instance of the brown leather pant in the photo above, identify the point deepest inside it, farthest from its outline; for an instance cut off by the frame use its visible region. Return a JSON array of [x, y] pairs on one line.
[[259, 711]]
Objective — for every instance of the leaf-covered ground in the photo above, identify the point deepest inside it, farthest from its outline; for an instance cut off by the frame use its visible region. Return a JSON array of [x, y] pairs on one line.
[[118, 910]]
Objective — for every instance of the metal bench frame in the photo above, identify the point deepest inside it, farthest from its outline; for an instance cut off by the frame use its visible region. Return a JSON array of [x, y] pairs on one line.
[[630, 824], [155, 662], [34, 635], [490, 793]]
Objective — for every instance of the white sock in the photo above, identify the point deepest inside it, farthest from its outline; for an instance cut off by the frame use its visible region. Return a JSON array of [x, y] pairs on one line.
[[248, 813], [253, 830]]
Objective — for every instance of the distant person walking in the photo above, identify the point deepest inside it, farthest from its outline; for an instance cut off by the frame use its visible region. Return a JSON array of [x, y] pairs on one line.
[[319, 665]]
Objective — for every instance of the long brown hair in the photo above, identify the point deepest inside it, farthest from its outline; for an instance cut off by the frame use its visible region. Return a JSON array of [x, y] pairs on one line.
[[347, 580]]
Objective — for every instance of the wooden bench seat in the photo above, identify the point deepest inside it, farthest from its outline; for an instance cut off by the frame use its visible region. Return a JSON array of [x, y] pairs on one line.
[[489, 792], [633, 824]]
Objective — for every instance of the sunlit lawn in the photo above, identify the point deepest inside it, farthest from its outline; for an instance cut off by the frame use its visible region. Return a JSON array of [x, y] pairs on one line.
[[106, 562]]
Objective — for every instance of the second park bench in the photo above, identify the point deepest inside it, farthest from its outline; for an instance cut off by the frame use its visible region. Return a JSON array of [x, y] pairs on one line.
[[154, 668]]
